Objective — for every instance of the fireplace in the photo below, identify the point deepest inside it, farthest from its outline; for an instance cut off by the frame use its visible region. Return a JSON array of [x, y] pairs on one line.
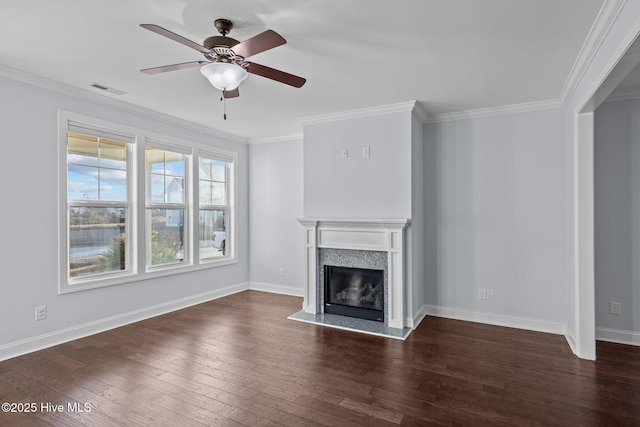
[[363, 244], [354, 292]]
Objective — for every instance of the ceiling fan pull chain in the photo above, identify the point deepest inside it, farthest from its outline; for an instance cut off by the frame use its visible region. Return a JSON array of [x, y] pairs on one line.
[[224, 106]]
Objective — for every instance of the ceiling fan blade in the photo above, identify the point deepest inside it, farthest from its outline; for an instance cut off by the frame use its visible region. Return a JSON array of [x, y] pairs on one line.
[[173, 67], [258, 43], [173, 36], [277, 75], [231, 93]]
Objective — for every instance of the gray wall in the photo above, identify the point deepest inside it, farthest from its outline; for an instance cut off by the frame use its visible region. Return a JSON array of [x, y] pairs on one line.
[[417, 228], [275, 203], [490, 209], [378, 186], [29, 188], [494, 207], [617, 214], [387, 184]]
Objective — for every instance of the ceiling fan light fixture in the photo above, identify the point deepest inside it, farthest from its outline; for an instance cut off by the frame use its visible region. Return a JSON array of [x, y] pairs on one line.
[[224, 75]]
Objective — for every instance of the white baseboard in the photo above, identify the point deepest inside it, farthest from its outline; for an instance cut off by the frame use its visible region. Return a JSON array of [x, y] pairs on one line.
[[413, 322], [618, 336], [276, 289], [498, 320], [40, 342], [571, 340]]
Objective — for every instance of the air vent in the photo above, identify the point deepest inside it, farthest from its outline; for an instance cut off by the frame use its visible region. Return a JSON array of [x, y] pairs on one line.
[[107, 88]]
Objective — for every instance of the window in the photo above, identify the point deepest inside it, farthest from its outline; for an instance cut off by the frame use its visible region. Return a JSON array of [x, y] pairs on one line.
[[166, 210], [136, 205], [98, 207], [213, 215]]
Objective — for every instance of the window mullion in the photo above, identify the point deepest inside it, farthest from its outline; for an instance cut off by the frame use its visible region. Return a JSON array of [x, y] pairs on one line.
[[97, 203], [194, 198], [158, 205]]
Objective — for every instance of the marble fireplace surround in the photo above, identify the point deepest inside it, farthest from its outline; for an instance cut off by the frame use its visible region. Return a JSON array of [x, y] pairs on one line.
[[386, 235]]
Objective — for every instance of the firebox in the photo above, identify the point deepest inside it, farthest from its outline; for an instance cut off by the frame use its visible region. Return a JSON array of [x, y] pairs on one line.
[[354, 292]]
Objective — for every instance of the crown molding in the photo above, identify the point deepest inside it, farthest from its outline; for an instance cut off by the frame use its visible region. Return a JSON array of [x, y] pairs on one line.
[[497, 111], [401, 107], [417, 109], [413, 106], [625, 96], [602, 25], [35, 80], [283, 138], [421, 112]]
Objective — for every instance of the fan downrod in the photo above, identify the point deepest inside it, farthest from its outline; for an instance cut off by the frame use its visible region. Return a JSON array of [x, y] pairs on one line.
[[223, 26]]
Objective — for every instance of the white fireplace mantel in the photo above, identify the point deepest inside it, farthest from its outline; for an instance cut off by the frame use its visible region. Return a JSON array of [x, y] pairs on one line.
[[358, 234]]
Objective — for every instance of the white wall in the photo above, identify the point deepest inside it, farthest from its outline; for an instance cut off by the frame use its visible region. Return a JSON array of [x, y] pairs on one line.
[[617, 214], [275, 202], [28, 257], [495, 211]]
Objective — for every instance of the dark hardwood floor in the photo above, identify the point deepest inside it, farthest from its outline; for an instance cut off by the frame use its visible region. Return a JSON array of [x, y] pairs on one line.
[[238, 361]]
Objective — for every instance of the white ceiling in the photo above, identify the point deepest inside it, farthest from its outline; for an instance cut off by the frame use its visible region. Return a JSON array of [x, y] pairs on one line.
[[449, 55]]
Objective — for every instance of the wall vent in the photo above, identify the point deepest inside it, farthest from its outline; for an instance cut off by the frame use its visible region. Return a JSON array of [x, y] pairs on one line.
[[107, 88]]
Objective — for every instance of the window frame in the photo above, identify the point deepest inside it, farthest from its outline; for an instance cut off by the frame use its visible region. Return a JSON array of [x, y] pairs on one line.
[[185, 206], [137, 268], [198, 207]]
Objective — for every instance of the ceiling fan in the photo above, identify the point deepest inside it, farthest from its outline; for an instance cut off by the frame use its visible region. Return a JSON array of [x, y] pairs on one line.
[[226, 65]]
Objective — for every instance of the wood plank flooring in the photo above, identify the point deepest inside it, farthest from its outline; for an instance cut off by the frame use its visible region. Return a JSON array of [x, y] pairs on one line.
[[237, 361]]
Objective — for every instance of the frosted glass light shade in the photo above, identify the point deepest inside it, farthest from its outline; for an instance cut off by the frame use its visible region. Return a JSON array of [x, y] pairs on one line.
[[223, 75]]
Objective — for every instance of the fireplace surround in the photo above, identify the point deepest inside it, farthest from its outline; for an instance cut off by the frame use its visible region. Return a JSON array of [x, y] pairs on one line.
[[381, 241]]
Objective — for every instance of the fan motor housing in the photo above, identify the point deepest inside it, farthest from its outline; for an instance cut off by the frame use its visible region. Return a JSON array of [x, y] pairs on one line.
[[219, 41]]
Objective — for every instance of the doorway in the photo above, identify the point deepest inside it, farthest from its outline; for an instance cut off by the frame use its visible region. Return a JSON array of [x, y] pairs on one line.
[[622, 63]]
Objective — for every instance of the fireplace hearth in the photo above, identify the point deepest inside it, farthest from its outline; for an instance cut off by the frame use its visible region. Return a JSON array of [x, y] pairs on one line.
[[354, 292]]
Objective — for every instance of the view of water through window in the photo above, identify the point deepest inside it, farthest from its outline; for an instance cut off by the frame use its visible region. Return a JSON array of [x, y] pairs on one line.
[[96, 177], [104, 212]]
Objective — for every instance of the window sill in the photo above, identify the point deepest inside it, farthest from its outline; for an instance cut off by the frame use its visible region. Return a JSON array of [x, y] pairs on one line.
[[66, 288]]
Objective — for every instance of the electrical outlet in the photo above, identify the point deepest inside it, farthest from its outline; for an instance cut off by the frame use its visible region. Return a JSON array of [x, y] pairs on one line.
[[482, 293], [41, 312], [281, 271], [491, 294], [615, 308], [344, 153], [366, 151]]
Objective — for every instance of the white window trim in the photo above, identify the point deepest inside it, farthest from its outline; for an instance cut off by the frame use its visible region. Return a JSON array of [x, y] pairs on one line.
[[231, 217], [186, 206], [137, 258]]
